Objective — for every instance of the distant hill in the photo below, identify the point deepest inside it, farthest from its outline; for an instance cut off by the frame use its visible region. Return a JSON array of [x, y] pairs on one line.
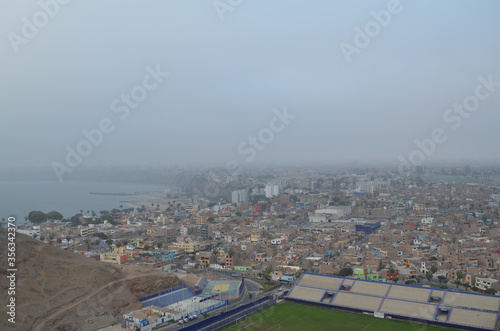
[[61, 290]]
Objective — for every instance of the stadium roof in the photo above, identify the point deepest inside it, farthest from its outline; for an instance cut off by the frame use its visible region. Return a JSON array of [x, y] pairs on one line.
[[450, 308]]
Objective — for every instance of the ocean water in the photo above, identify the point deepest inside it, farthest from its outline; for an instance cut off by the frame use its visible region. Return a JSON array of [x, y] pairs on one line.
[[18, 198]]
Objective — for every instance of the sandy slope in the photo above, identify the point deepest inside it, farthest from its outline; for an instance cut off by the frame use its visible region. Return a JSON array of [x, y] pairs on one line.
[[60, 290]]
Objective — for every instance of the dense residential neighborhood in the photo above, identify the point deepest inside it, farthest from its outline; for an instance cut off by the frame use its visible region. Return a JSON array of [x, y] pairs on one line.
[[373, 225]]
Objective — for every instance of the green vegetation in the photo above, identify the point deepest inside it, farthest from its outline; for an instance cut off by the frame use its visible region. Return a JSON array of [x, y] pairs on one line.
[[37, 217], [108, 218], [346, 272], [54, 215], [296, 316], [263, 282]]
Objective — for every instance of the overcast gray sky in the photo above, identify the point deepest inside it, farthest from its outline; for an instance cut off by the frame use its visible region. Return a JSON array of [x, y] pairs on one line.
[[227, 75]]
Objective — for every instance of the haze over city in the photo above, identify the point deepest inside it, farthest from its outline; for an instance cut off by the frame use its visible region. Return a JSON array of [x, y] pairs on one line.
[[250, 165], [353, 96]]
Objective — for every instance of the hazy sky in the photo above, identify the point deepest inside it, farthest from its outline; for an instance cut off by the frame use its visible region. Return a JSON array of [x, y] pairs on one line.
[[227, 75]]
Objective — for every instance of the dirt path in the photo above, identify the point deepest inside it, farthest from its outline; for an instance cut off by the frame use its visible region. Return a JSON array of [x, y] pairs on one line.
[[40, 326]]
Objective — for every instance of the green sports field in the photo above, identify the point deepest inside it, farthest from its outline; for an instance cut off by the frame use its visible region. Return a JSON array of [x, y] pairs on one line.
[[297, 316]]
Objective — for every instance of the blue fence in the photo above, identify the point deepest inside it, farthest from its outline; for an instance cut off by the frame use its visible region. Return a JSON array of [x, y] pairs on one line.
[[226, 318], [168, 297], [242, 286], [161, 293]]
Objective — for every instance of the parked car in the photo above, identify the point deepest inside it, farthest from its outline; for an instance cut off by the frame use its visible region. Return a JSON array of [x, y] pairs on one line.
[[181, 322]]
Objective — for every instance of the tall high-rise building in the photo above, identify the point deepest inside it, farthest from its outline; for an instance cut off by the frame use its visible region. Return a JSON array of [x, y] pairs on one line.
[[239, 196], [273, 190]]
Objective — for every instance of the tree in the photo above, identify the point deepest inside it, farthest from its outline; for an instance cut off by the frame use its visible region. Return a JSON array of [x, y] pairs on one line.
[[395, 279], [101, 235], [428, 275], [109, 242], [434, 269], [391, 268], [54, 215], [42, 238], [442, 279], [267, 273], [118, 244], [250, 295], [37, 217], [97, 242], [474, 288], [230, 252], [345, 272], [59, 240], [491, 291], [419, 279], [108, 218], [159, 244], [146, 247], [459, 275]]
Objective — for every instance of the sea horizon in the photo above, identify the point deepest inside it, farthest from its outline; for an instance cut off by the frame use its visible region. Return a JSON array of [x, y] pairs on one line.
[[18, 198]]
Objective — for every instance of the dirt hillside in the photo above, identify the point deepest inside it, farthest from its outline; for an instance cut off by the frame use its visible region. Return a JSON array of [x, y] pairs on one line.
[[61, 290]]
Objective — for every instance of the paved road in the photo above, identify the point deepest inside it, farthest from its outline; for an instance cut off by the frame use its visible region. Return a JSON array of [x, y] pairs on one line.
[[250, 285]]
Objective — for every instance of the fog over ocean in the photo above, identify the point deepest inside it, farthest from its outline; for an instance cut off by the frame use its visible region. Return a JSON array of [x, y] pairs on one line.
[[18, 198]]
